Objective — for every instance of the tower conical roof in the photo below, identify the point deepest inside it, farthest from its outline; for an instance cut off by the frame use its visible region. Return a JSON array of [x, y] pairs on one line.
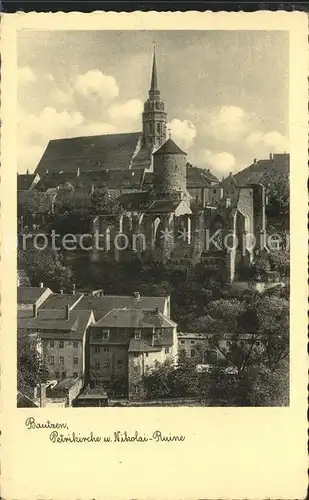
[[154, 79], [170, 148]]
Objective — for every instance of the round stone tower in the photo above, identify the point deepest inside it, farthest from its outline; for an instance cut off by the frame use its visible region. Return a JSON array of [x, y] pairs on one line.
[[170, 169]]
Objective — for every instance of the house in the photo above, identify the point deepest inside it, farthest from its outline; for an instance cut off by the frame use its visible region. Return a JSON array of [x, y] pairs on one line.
[[61, 335], [126, 342], [202, 348], [28, 296]]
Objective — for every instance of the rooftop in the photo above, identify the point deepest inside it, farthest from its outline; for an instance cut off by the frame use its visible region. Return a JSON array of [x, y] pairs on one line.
[[101, 152], [29, 294], [137, 345], [135, 318], [102, 305], [169, 148], [55, 323], [59, 301]]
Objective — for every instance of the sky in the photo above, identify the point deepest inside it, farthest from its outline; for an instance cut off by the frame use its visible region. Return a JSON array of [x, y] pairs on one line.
[[225, 92]]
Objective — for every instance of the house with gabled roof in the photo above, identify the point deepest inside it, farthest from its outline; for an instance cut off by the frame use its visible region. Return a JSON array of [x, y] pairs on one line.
[[125, 343]]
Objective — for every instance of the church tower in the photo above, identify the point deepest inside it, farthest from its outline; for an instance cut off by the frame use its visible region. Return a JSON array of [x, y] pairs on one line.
[[154, 115]]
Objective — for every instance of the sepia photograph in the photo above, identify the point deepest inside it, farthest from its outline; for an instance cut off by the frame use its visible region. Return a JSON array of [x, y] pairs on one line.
[[153, 218]]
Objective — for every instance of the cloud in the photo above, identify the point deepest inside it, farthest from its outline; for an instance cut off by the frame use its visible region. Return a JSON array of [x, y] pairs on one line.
[[220, 162], [35, 131], [271, 142], [29, 157], [127, 116], [94, 82], [48, 124], [228, 124], [183, 132], [26, 76], [95, 128]]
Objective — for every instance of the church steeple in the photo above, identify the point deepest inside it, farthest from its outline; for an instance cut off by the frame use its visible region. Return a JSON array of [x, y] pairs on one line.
[[154, 80], [154, 115]]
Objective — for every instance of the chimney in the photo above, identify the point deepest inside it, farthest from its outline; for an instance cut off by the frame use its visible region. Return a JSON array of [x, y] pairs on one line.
[[67, 312], [270, 156], [157, 311], [61, 292], [41, 285], [18, 282], [78, 172], [46, 171], [254, 161], [73, 289], [92, 188], [35, 310], [137, 295]]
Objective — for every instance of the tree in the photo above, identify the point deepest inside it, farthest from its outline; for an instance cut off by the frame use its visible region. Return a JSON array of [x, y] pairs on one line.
[[103, 204], [31, 367], [43, 266], [157, 380], [33, 204]]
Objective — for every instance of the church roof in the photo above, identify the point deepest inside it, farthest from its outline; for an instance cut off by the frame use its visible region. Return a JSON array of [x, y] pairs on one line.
[[100, 152], [169, 148]]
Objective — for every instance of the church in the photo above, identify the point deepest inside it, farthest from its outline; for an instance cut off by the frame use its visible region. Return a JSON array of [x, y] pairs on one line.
[[176, 207]]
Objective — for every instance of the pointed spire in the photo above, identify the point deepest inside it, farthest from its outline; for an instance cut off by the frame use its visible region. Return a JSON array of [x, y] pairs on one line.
[[154, 81]]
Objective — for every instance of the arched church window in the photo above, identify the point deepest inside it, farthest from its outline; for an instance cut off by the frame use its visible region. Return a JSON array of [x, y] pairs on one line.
[[158, 128], [150, 127]]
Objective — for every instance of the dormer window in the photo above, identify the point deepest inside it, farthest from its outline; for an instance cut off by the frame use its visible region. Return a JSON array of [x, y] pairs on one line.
[[105, 333], [228, 202], [137, 333]]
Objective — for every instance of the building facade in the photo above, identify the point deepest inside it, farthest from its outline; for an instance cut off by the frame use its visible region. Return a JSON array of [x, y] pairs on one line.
[[127, 342]]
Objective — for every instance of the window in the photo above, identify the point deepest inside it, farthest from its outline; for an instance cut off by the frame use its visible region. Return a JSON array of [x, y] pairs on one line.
[[105, 333], [192, 353], [119, 362], [137, 333], [228, 202], [57, 375], [136, 354], [158, 128], [105, 364], [75, 375], [192, 342], [97, 365], [258, 343], [146, 354], [52, 343], [75, 361], [61, 360], [97, 335], [75, 345], [51, 360], [167, 350], [106, 349], [214, 191], [228, 343], [135, 368], [97, 349], [63, 374], [61, 344], [182, 341], [150, 127]]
